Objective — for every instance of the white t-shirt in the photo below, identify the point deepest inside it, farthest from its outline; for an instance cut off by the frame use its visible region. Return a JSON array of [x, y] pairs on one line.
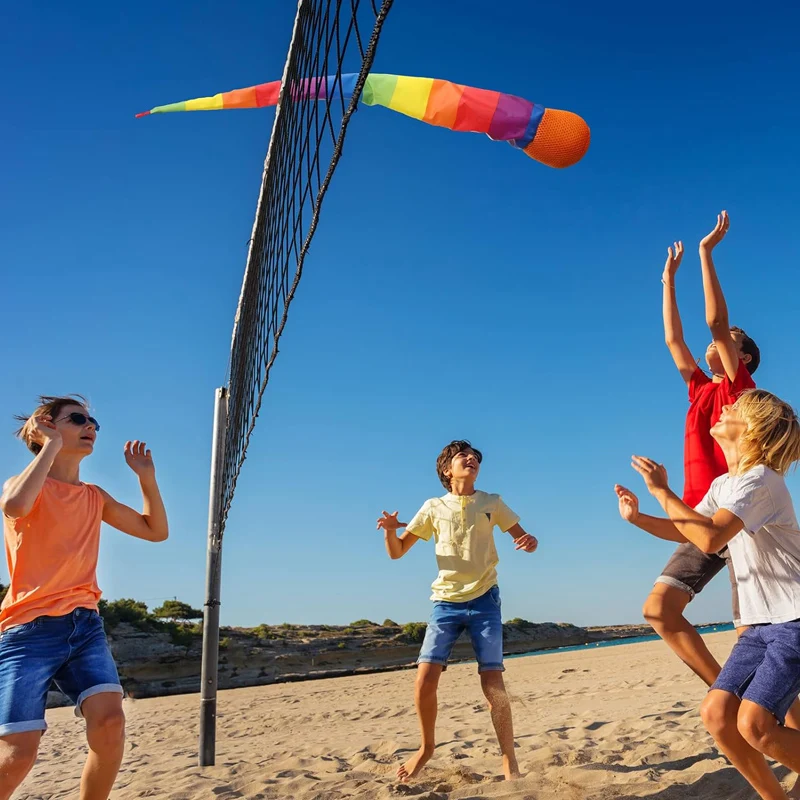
[[766, 553]]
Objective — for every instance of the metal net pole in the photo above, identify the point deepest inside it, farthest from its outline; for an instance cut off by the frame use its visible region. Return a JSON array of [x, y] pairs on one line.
[[210, 663], [304, 149]]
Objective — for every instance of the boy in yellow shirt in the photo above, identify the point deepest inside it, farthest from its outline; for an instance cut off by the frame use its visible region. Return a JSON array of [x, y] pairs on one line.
[[465, 592]]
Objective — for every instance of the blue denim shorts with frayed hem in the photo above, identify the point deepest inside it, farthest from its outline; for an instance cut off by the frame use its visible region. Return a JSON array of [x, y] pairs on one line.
[[764, 667], [70, 651], [480, 617]]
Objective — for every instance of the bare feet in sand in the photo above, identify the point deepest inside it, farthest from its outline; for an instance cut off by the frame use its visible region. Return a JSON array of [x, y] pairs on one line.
[[414, 764], [511, 768]]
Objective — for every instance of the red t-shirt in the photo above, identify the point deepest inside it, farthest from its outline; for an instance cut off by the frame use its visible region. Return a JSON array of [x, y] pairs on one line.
[[702, 458]]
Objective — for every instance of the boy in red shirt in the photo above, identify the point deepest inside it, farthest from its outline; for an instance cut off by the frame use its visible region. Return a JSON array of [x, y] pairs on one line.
[[732, 358]]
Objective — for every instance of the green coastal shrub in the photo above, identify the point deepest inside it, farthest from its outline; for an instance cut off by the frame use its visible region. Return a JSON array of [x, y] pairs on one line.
[[414, 631]]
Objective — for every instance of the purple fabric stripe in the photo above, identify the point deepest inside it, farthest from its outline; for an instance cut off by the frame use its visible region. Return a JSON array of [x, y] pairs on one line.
[[310, 88], [531, 129], [317, 88], [511, 118], [325, 88]]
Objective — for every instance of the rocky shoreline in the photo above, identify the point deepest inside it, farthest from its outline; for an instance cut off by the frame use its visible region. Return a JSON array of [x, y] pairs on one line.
[[155, 662]]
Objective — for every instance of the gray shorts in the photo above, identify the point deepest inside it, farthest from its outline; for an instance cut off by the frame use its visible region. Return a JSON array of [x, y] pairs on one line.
[[690, 569]]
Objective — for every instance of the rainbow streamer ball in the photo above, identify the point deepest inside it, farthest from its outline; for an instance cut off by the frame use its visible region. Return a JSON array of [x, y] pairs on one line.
[[549, 135]]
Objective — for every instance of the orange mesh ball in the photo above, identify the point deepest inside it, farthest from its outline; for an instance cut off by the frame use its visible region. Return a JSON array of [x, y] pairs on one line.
[[561, 140]]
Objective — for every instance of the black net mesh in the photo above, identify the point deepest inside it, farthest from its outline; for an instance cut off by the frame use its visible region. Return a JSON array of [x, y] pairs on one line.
[[330, 38]]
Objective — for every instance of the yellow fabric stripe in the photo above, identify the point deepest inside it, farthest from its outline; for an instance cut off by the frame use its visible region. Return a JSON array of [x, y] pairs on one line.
[[205, 103], [410, 96]]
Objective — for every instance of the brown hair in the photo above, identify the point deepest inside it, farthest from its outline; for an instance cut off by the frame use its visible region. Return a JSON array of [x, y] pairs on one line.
[[772, 437], [448, 454], [50, 406], [749, 348]]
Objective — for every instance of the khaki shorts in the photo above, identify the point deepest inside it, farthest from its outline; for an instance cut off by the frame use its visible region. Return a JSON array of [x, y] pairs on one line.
[[690, 570]]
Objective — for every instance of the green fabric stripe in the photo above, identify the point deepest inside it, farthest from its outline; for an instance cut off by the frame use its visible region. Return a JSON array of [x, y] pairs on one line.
[[170, 107], [378, 89]]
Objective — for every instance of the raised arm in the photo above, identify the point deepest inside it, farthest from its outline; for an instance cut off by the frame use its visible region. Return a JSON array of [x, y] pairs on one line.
[[151, 524], [673, 328], [21, 491], [716, 307], [655, 526], [709, 534], [396, 546]]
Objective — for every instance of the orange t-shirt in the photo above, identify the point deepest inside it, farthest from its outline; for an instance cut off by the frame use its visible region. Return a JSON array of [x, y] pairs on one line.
[[52, 554]]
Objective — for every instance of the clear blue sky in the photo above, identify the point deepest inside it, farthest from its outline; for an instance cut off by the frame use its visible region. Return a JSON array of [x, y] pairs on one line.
[[454, 289]]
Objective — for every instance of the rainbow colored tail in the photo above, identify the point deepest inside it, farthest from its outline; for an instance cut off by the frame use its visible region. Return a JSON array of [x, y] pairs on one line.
[[548, 135]]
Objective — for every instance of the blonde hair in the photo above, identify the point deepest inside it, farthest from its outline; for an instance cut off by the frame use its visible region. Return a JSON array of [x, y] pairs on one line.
[[772, 437], [51, 406]]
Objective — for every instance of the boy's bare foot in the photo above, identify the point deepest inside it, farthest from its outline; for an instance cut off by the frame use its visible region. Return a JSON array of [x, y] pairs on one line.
[[511, 768], [412, 767]]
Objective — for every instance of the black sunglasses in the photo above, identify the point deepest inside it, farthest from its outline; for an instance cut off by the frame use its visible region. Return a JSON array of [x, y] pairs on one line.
[[76, 418]]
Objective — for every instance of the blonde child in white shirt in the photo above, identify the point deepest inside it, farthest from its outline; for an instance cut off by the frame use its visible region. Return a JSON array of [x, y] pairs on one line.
[[751, 512]]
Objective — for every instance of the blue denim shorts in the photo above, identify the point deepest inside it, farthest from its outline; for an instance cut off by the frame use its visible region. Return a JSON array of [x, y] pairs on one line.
[[70, 651], [481, 617], [764, 667]]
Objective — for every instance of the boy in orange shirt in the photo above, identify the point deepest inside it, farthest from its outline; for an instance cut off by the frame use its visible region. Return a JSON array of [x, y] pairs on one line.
[[50, 629]]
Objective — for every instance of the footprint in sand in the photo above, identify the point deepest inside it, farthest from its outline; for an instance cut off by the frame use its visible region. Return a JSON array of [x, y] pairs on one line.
[[593, 726], [405, 789]]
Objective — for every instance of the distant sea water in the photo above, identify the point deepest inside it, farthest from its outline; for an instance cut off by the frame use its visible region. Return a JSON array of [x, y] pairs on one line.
[[701, 629]]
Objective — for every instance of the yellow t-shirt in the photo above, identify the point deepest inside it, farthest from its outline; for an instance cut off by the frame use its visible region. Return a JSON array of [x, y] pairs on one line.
[[462, 527]]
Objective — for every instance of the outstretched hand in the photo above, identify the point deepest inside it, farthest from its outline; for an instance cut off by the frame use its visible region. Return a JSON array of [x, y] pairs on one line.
[[389, 522], [527, 542], [139, 459], [674, 257], [718, 234], [628, 504], [655, 475]]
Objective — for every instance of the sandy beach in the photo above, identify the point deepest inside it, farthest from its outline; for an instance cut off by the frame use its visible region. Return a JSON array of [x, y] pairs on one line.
[[618, 722]]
